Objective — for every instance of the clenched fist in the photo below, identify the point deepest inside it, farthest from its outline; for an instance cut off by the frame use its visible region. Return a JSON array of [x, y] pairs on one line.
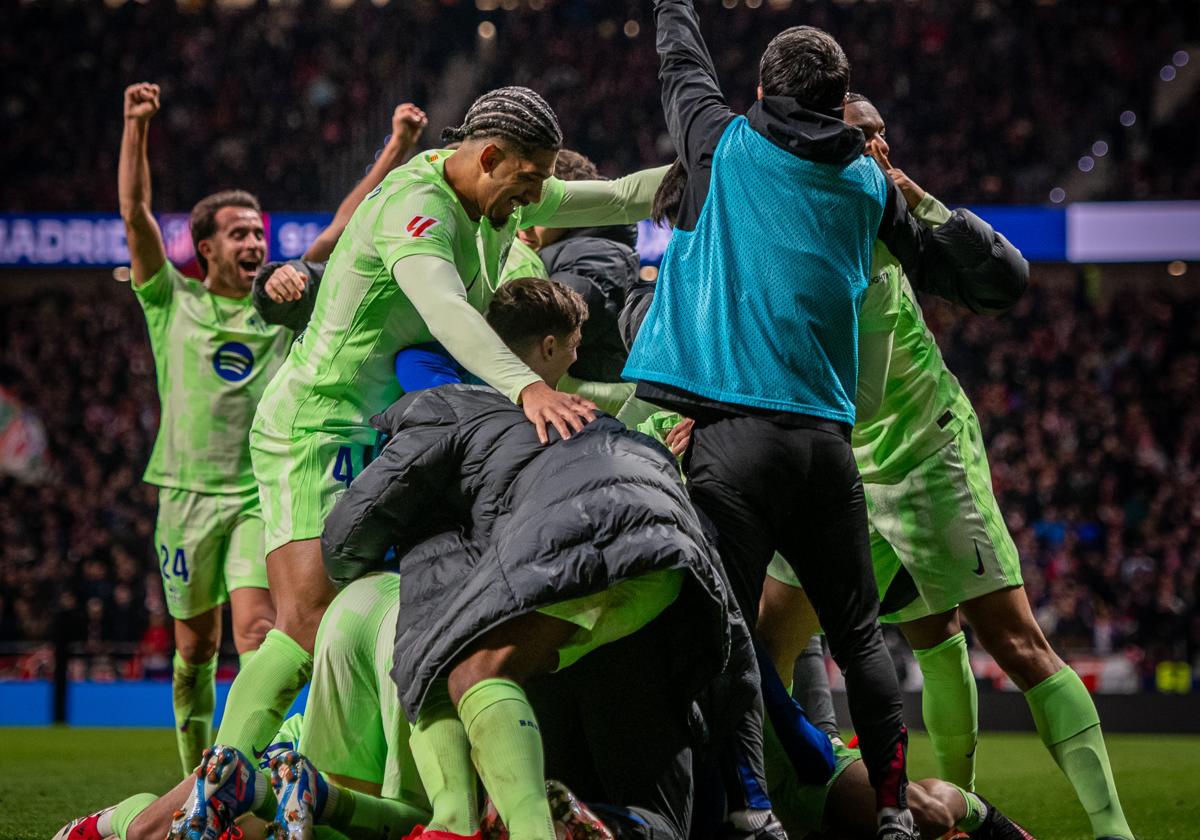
[[141, 101], [408, 121], [286, 283]]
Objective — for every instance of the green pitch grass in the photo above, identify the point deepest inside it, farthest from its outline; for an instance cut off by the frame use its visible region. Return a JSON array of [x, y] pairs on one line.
[[48, 776]]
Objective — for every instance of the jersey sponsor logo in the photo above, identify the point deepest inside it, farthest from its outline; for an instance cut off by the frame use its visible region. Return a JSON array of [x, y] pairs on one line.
[[233, 361], [418, 226]]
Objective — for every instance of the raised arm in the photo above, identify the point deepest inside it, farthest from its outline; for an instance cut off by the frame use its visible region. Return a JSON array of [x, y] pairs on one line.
[[146, 251], [693, 104], [953, 254], [408, 121]]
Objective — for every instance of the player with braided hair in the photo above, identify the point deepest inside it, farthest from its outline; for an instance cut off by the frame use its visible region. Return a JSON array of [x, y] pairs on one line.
[[418, 262]]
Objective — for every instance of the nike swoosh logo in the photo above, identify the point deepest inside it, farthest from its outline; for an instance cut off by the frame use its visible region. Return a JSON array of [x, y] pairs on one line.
[[979, 557], [971, 754]]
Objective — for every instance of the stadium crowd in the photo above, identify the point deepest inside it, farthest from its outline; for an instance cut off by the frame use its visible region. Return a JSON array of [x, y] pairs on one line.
[[290, 82], [1090, 406]]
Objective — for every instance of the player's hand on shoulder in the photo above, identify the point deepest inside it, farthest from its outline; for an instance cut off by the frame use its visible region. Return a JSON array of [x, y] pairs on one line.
[[286, 283], [408, 121], [545, 407], [141, 101]]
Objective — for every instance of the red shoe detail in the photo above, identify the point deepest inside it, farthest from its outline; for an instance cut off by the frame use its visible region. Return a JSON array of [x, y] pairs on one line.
[[434, 834], [853, 743], [86, 829], [417, 831]]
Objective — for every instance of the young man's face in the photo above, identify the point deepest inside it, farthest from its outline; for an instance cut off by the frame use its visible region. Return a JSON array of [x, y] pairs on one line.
[[511, 180], [238, 248], [864, 116], [553, 355]]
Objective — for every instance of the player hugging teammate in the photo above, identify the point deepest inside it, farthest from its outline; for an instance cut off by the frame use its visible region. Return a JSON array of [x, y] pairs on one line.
[[551, 557]]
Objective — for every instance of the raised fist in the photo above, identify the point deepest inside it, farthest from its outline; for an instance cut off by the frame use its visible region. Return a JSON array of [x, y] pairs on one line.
[[408, 121], [141, 101]]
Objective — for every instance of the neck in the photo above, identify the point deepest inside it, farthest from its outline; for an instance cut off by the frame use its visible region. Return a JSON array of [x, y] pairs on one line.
[[458, 176], [218, 285]]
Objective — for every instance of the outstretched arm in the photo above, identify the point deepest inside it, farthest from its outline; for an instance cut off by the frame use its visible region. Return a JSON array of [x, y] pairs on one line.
[[146, 251], [408, 121], [600, 203]]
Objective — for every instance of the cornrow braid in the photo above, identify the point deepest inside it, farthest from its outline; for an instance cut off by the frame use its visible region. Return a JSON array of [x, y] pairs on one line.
[[515, 114]]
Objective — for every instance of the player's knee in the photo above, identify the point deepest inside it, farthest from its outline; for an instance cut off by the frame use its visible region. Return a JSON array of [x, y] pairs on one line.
[[249, 634], [195, 649]]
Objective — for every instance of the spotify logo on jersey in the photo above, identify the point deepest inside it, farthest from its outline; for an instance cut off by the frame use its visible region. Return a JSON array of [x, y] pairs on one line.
[[233, 361]]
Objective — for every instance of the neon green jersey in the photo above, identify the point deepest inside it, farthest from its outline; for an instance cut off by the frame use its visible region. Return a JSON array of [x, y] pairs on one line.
[[522, 261], [340, 372], [213, 358], [923, 404]]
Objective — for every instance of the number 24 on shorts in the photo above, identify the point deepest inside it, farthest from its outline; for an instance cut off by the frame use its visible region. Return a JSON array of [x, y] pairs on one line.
[[178, 565], [343, 464]]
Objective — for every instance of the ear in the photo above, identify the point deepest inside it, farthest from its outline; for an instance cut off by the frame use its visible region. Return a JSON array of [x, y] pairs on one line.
[[760, 93], [548, 346], [490, 157], [206, 249]]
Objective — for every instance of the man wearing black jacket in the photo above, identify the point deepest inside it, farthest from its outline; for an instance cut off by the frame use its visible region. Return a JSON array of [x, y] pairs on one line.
[[753, 332]]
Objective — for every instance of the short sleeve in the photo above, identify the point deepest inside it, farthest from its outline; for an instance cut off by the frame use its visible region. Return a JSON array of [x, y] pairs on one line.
[[881, 304], [160, 288], [418, 221], [553, 190]]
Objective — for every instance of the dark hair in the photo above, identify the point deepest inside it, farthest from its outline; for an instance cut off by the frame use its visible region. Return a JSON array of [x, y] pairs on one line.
[[528, 309], [807, 64], [515, 114], [853, 97], [669, 195], [204, 216], [575, 166]]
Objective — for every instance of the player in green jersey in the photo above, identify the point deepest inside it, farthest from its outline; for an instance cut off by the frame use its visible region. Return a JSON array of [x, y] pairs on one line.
[[418, 261], [939, 543], [352, 729], [213, 358]]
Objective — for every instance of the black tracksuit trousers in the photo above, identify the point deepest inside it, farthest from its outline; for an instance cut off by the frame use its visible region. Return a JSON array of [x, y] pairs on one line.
[[796, 489]]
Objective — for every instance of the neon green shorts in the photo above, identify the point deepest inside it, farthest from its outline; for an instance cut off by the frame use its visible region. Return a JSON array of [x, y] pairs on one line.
[[353, 725], [937, 536], [800, 807], [941, 529], [300, 479], [208, 545], [616, 612]]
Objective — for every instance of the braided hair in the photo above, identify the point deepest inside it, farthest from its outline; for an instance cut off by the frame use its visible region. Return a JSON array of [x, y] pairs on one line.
[[515, 114]]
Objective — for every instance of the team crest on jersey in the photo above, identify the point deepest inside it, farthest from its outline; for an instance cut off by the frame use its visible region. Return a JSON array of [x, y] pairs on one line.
[[419, 226], [233, 361]]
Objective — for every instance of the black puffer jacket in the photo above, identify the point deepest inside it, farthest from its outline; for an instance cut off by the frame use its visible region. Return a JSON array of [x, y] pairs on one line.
[[601, 264], [490, 524]]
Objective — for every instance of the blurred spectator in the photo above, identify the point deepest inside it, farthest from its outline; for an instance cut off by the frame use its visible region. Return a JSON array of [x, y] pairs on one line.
[[997, 99]]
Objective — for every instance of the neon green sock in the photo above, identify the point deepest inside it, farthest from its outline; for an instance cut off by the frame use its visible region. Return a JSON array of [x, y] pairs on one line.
[[950, 708], [244, 659], [360, 816], [263, 692], [1070, 728], [442, 753], [506, 747], [125, 813], [976, 810], [194, 695]]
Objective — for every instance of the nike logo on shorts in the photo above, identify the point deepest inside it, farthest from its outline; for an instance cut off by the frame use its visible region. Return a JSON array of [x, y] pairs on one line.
[[979, 557]]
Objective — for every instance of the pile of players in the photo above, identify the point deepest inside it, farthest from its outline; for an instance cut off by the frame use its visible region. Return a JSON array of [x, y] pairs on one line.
[[491, 585]]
